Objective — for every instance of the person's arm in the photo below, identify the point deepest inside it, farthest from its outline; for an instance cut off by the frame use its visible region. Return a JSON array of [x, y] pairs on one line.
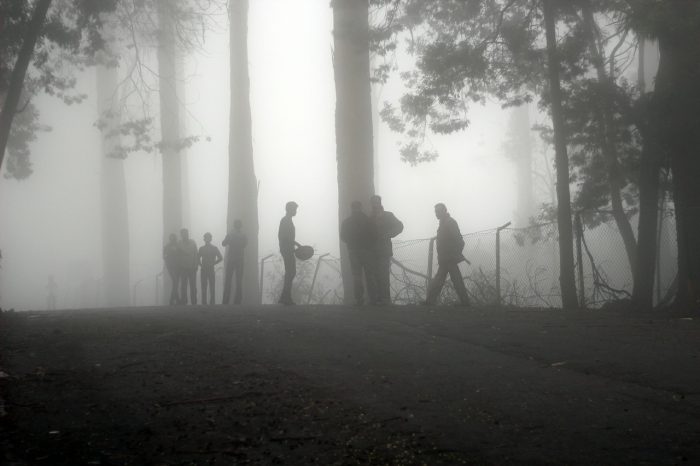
[[199, 257], [226, 241], [219, 257], [396, 226]]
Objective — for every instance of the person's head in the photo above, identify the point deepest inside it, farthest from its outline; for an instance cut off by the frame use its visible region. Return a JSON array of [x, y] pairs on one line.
[[172, 238], [207, 237], [291, 208], [185, 234], [356, 207], [237, 224], [440, 210], [376, 203]]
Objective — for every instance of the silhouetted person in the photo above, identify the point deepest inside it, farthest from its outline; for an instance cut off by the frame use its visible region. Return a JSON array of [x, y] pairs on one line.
[[171, 257], [209, 256], [357, 232], [51, 288], [235, 241], [288, 245], [189, 260], [449, 244], [386, 226]]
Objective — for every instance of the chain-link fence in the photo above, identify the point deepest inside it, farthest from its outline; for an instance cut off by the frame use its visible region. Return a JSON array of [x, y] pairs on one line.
[[508, 266]]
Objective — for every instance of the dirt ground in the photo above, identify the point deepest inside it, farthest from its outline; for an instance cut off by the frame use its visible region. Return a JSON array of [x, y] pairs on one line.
[[341, 385]]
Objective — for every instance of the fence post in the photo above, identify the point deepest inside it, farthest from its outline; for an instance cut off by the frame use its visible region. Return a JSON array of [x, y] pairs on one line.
[[498, 262], [578, 226], [262, 269], [313, 282]]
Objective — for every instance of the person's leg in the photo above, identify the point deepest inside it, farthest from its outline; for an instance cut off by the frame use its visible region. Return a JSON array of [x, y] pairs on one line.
[[356, 268], [174, 298], [228, 276], [384, 281], [458, 282], [212, 286], [370, 268], [204, 280], [193, 285], [436, 284], [289, 273], [239, 284], [182, 278]]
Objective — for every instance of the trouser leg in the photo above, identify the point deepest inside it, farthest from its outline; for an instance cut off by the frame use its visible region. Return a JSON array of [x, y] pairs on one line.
[[204, 279], [193, 285], [383, 280], [174, 284], [183, 286], [436, 285], [228, 276], [289, 273], [458, 282], [239, 284], [356, 262]]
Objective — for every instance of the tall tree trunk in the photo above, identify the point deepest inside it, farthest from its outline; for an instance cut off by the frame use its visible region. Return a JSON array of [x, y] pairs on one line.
[[14, 91], [115, 218], [649, 170], [353, 114], [566, 237], [679, 94], [521, 153], [170, 128], [607, 138], [243, 187]]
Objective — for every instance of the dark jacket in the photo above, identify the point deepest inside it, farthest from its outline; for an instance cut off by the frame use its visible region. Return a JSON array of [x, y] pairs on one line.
[[236, 243], [286, 235], [357, 232], [449, 242], [386, 226]]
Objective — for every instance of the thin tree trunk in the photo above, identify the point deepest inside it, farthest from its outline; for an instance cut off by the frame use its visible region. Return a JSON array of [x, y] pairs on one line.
[[566, 238], [353, 114], [14, 91], [115, 218], [243, 186], [522, 146], [607, 138], [170, 129]]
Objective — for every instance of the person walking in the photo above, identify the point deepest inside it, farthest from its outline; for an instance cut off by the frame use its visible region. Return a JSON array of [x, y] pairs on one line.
[[171, 257], [189, 260], [449, 244], [288, 244], [358, 234], [235, 243], [386, 226], [209, 255]]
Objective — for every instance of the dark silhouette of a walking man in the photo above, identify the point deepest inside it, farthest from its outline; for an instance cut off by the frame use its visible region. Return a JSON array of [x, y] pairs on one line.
[[449, 244], [171, 257], [235, 242], [386, 226], [288, 244], [189, 260], [357, 232], [209, 256]]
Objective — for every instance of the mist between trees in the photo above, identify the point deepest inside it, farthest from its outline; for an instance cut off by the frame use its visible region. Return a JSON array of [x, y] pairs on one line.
[[123, 122]]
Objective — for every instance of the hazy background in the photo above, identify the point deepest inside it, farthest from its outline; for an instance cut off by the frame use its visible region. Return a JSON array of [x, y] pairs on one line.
[[51, 221]]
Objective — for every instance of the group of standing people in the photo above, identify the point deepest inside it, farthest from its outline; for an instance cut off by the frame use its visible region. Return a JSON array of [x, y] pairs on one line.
[[368, 240], [183, 259]]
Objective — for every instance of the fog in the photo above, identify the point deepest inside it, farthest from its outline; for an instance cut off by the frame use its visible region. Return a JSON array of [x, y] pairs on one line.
[[51, 221]]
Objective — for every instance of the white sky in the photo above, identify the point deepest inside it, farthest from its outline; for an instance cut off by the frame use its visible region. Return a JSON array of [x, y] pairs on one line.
[[50, 223]]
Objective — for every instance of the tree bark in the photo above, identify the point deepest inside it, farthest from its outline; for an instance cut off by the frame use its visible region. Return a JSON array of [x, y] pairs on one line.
[[19, 72], [521, 147], [170, 129], [243, 186], [607, 139], [566, 238], [115, 218], [353, 114]]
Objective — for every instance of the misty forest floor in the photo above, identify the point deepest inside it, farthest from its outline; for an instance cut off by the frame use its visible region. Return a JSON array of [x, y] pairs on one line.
[[342, 385]]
